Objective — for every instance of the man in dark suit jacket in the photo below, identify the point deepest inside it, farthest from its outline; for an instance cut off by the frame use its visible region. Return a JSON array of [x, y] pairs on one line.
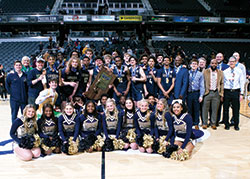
[[181, 81]]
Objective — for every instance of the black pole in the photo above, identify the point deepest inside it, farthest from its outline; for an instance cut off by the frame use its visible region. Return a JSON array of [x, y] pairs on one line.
[[103, 165]]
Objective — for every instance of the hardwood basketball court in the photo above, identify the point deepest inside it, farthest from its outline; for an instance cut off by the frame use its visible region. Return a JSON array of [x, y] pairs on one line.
[[225, 154]]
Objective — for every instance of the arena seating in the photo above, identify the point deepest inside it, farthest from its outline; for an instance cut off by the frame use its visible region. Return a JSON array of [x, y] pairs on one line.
[[23, 6], [230, 8], [11, 51], [80, 6], [183, 7], [200, 48]]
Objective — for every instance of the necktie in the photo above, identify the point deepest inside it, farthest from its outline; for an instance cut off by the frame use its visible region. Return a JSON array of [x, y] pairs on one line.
[[232, 79]]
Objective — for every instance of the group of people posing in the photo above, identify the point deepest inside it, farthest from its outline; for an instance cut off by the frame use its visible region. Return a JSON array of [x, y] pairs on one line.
[[144, 108]]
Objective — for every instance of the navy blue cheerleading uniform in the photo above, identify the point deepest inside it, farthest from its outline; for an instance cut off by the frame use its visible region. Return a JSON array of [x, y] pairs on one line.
[[163, 127], [136, 87], [110, 124], [142, 124], [48, 128], [73, 76], [90, 124], [182, 125], [151, 85], [121, 81], [68, 126], [17, 88], [35, 89], [166, 76], [84, 79], [128, 120], [18, 130]]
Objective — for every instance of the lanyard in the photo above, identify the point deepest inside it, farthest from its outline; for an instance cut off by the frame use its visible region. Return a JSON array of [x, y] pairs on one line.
[[119, 72], [193, 75], [178, 69], [167, 71], [134, 71]]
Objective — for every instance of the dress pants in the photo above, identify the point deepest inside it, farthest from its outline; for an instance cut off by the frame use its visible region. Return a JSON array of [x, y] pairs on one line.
[[14, 106], [194, 106], [211, 100], [231, 97]]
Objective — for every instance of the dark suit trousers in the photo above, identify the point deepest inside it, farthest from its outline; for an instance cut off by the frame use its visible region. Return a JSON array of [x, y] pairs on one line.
[[233, 98], [194, 106]]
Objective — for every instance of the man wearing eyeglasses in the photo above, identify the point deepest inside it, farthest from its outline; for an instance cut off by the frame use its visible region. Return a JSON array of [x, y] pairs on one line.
[[233, 92]]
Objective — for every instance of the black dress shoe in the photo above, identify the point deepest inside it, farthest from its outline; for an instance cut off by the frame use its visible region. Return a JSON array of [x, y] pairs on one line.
[[227, 127], [237, 128], [221, 122]]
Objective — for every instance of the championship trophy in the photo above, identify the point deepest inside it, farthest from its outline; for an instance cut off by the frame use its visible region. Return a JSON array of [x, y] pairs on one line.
[[101, 84]]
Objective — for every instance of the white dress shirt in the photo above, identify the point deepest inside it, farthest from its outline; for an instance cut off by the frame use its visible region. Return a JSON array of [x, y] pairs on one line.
[[243, 69], [236, 77]]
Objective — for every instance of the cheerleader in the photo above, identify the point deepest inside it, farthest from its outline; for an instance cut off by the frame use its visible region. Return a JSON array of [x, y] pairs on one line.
[[111, 119], [20, 131], [184, 135], [163, 120], [163, 128], [90, 127], [138, 77], [128, 134], [144, 127], [68, 126], [48, 131]]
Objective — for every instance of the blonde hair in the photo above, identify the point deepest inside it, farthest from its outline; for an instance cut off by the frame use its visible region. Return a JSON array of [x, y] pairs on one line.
[[148, 111], [165, 109], [69, 64], [107, 55], [108, 115], [68, 104], [25, 122]]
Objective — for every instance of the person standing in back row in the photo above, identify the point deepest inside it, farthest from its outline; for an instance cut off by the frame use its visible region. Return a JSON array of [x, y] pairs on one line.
[[34, 80], [16, 85], [214, 90], [234, 82]]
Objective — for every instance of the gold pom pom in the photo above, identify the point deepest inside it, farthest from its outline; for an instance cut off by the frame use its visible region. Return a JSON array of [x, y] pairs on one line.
[[131, 135], [163, 144], [147, 141], [73, 146], [37, 142], [174, 156], [45, 147], [118, 144], [98, 143], [181, 157], [184, 155]]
